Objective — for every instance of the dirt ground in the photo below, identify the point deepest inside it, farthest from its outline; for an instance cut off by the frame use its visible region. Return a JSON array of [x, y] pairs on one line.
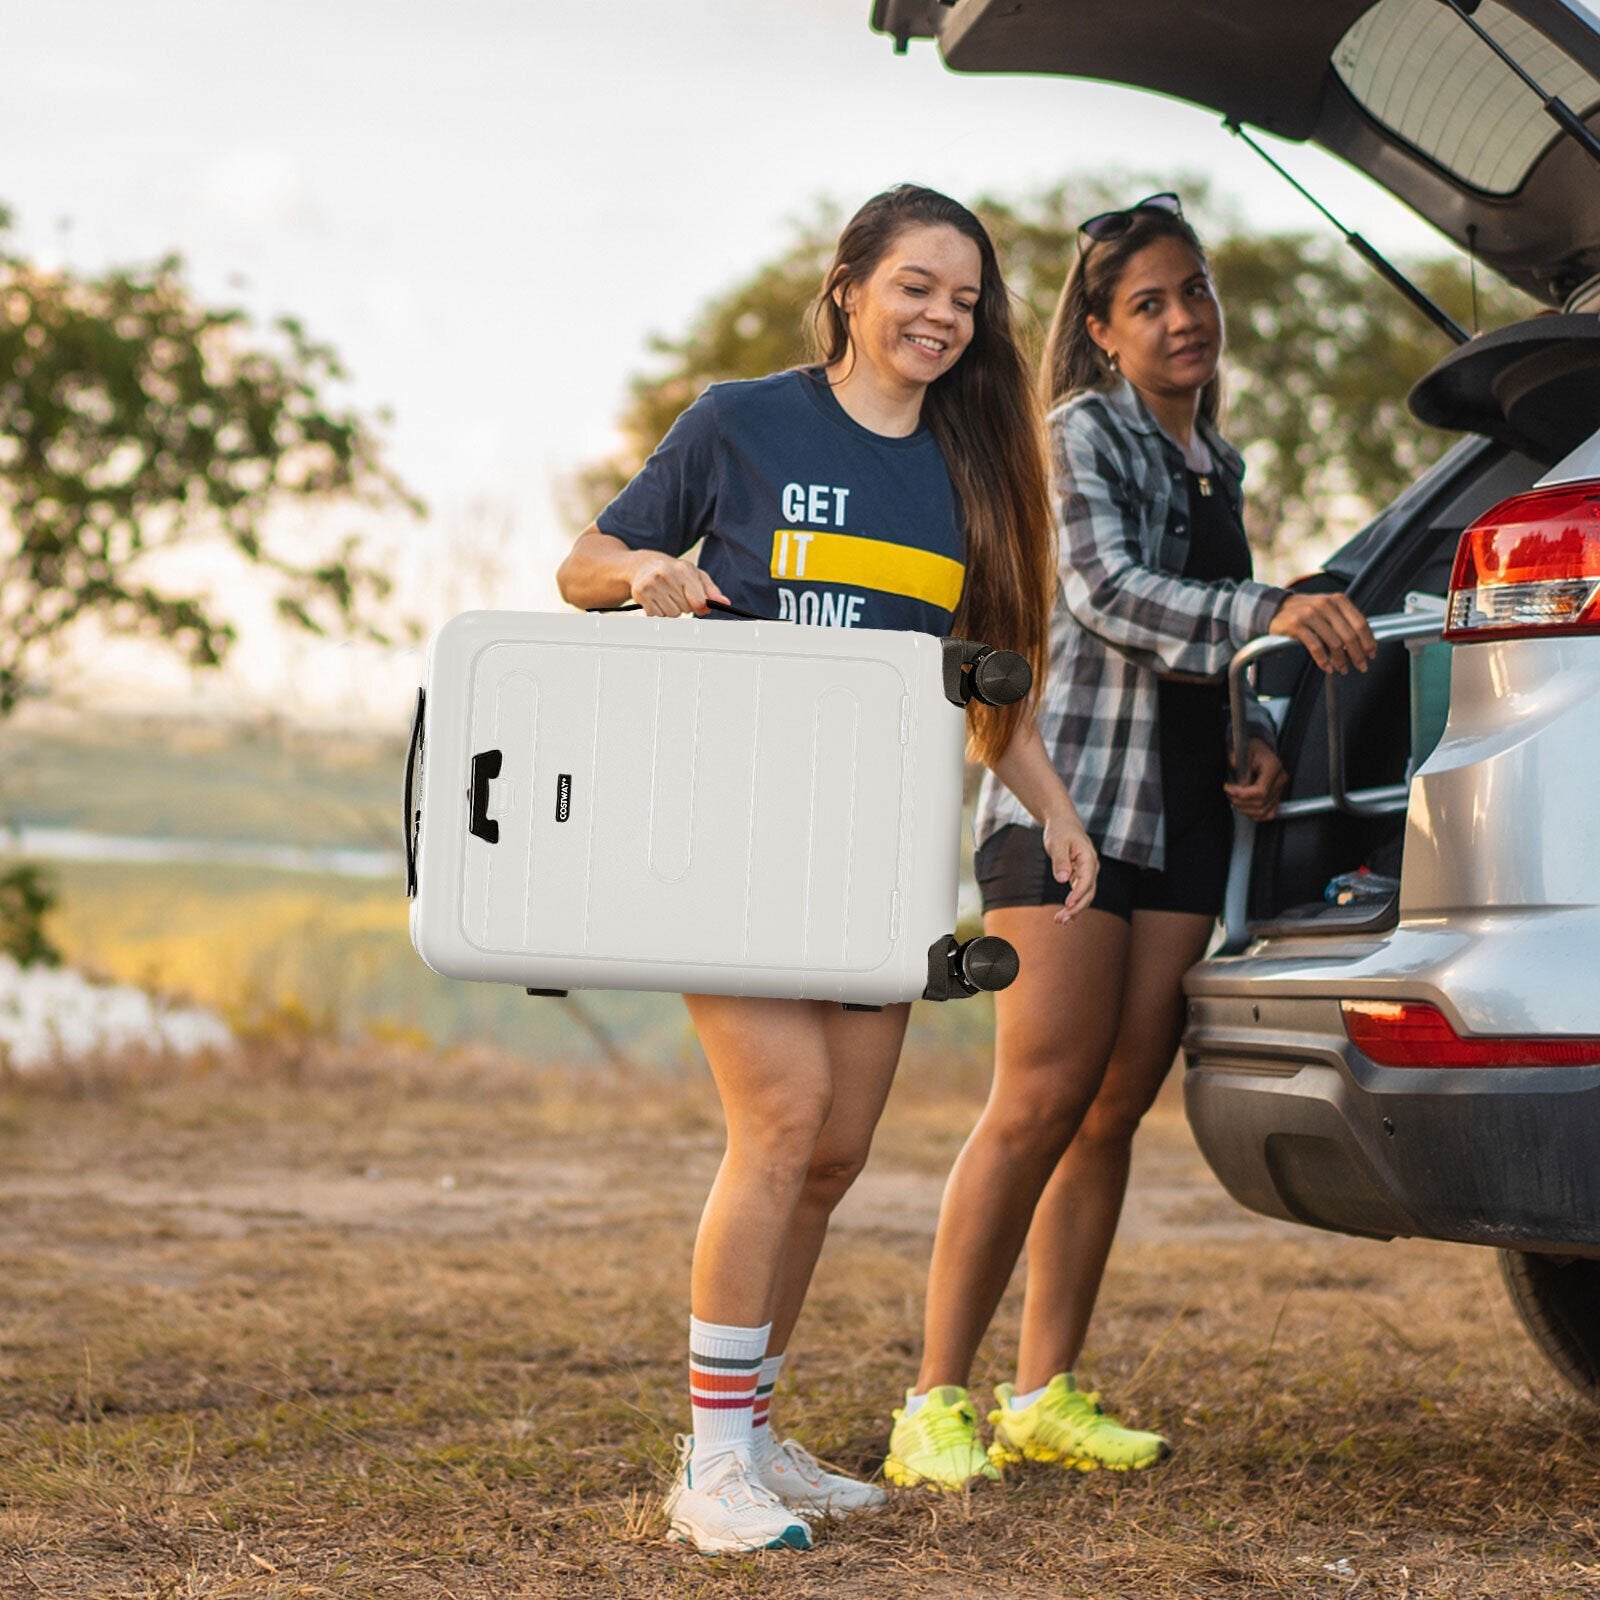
[[355, 1327]]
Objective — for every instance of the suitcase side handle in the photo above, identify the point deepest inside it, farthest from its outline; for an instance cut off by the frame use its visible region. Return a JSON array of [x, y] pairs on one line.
[[485, 769], [716, 605], [413, 818]]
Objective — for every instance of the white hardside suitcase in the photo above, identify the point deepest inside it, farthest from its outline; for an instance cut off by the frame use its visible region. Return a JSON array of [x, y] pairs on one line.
[[720, 807]]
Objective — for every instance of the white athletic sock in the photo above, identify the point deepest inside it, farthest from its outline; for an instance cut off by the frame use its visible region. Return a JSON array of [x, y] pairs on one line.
[[914, 1403], [761, 1439], [1021, 1402], [724, 1371]]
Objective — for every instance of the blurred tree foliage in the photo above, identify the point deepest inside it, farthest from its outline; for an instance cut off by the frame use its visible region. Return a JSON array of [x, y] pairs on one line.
[[133, 419], [1321, 356], [1320, 352], [27, 896]]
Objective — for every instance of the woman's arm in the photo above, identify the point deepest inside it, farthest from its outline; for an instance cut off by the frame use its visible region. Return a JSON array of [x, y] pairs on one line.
[[602, 571], [1025, 769]]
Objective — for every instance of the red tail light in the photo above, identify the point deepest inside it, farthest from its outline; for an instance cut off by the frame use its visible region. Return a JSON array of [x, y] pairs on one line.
[[1411, 1033], [1530, 566]]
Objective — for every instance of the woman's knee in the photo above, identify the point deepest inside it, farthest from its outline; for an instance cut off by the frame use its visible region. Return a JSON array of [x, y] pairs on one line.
[[1113, 1119], [1038, 1110], [780, 1137], [831, 1173]]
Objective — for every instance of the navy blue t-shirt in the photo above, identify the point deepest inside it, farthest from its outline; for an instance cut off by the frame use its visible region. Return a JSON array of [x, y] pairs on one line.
[[806, 515]]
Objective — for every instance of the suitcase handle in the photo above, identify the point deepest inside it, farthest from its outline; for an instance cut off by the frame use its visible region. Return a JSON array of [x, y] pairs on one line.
[[485, 769], [716, 605], [413, 819]]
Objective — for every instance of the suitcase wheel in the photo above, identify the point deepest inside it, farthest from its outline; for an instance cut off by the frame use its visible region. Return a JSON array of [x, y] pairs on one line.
[[994, 677], [1001, 678], [987, 963], [955, 970]]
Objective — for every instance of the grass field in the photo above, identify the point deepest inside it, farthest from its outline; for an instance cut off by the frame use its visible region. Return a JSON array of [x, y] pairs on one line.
[[362, 1324], [164, 777]]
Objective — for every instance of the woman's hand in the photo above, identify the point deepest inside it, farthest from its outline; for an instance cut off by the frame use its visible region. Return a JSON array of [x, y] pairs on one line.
[[1330, 627], [667, 587], [1073, 858], [601, 571], [1257, 794]]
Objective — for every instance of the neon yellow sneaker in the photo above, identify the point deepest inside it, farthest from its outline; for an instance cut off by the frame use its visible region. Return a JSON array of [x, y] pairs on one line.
[[937, 1447], [1066, 1425]]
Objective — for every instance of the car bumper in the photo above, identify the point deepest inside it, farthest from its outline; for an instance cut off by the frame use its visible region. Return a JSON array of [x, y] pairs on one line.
[[1297, 1124]]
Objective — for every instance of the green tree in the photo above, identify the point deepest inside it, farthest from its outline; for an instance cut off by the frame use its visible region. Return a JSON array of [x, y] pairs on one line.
[[1320, 353], [1321, 356], [132, 419]]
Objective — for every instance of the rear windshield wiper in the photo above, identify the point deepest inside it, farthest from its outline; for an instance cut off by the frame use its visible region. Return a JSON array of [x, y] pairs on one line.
[[1386, 269], [1558, 109]]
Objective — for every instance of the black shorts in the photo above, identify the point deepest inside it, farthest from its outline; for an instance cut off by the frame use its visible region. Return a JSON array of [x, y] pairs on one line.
[[1013, 870]]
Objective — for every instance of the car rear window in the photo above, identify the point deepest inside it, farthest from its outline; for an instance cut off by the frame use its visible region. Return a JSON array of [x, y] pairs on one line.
[[1416, 68]]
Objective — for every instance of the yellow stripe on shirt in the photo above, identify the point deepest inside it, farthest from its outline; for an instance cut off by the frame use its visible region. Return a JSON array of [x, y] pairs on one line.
[[812, 557]]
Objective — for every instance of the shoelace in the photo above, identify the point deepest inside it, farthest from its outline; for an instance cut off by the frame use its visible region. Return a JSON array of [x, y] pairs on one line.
[[1083, 1406], [1095, 1419], [952, 1426], [733, 1483], [803, 1462]]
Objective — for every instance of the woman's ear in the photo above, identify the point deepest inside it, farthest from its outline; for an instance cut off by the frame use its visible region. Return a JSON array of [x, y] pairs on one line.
[[1099, 332]]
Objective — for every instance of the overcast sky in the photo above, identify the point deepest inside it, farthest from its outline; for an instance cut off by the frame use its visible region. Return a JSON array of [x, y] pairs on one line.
[[487, 206]]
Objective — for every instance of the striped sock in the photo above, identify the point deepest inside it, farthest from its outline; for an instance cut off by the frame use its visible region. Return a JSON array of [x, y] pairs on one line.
[[761, 1411], [724, 1371]]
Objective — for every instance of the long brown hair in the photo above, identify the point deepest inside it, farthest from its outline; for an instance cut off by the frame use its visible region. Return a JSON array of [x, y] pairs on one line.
[[985, 418], [1072, 360]]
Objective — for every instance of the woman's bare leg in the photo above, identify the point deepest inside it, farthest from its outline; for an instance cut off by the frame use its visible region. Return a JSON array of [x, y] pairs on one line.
[[770, 1062], [1077, 1216], [863, 1049], [1054, 1031]]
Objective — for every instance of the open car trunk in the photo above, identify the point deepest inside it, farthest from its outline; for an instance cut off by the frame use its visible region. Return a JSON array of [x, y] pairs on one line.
[[1402, 89]]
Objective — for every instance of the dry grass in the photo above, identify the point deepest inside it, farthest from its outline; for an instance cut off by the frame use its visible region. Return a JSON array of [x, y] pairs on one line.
[[353, 1326]]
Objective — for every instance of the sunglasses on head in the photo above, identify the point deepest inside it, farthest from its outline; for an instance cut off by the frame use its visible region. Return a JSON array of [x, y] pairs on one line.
[[1113, 224]]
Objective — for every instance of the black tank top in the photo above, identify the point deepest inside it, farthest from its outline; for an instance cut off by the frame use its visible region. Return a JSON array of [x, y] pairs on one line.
[[1193, 732]]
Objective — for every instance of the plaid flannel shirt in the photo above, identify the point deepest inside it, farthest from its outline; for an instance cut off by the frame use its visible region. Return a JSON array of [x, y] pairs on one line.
[[1123, 617]]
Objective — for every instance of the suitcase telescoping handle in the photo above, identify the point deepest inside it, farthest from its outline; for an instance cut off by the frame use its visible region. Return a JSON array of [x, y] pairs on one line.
[[413, 817]]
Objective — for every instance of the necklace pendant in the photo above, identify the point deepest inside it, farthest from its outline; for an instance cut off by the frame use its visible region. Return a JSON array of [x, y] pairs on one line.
[[1204, 480]]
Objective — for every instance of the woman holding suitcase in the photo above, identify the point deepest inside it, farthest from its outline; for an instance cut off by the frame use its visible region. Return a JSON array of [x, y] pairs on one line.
[[1155, 597], [910, 458]]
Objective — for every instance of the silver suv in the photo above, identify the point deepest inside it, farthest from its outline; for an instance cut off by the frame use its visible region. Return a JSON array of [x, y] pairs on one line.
[[1400, 1034]]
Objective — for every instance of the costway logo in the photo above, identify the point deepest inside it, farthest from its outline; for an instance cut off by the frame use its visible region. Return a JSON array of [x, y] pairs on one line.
[[563, 797]]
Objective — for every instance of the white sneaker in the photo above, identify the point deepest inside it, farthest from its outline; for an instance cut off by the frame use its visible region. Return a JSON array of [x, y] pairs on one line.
[[803, 1484], [726, 1508]]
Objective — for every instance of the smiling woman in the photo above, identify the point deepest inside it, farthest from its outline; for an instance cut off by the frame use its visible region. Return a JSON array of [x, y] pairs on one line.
[[897, 483]]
